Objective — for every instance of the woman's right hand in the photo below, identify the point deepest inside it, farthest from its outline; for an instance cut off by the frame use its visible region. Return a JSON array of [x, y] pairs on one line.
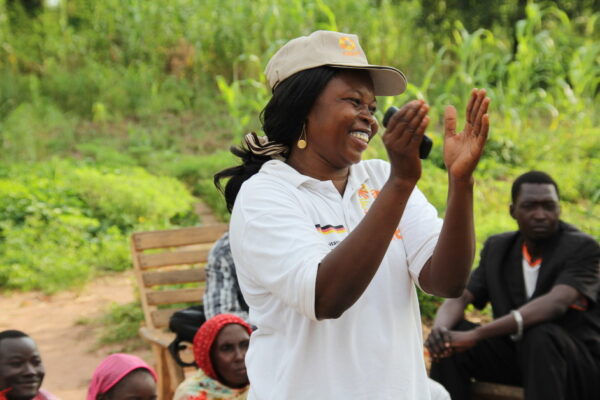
[[402, 139]]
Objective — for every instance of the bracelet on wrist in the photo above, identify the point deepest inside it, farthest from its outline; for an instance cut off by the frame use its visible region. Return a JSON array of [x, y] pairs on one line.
[[519, 320]]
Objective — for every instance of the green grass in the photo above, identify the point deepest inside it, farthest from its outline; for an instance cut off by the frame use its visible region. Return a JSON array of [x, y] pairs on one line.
[[118, 326]]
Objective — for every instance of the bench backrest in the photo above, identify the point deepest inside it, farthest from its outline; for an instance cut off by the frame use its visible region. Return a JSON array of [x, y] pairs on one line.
[[169, 267]]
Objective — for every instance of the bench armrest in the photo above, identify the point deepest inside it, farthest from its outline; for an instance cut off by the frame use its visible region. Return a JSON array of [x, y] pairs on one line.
[[155, 336]]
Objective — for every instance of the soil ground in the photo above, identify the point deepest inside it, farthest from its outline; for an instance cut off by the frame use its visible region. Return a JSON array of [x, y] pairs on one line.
[[68, 348]]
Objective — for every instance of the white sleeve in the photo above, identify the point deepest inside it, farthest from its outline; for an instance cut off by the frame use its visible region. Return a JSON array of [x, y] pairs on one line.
[[275, 245], [420, 228]]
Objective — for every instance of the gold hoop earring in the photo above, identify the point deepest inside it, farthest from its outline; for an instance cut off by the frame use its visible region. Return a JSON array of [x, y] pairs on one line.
[[302, 141]]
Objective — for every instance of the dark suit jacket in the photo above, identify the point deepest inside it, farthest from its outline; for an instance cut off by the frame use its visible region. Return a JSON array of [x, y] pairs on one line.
[[571, 258]]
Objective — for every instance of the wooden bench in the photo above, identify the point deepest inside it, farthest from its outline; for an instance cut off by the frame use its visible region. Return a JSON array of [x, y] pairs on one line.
[[169, 267], [495, 391]]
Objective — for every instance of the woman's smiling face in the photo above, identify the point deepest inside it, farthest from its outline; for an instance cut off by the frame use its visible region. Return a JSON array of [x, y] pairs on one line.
[[341, 122]]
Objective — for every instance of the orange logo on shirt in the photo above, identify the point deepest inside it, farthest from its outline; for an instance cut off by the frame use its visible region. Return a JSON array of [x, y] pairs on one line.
[[363, 192], [366, 196]]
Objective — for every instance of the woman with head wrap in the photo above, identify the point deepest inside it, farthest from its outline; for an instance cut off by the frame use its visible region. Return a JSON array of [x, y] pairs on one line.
[[123, 376], [219, 349]]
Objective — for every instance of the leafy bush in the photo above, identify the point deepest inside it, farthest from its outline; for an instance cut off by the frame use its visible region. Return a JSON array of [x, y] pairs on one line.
[[52, 256], [130, 198], [13, 90], [61, 223], [198, 172], [102, 154], [32, 131]]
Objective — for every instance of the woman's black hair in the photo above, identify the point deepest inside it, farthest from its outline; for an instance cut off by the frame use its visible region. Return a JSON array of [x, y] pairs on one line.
[[282, 120]]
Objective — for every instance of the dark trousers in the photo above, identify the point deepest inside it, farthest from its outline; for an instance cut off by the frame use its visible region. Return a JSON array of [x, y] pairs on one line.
[[547, 363]]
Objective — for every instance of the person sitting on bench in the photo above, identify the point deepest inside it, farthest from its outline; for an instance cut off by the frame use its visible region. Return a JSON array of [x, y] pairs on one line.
[[223, 294], [220, 347], [543, 283]]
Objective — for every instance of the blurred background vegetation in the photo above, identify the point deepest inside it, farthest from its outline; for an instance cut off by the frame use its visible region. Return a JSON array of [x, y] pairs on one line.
[[114, 115]]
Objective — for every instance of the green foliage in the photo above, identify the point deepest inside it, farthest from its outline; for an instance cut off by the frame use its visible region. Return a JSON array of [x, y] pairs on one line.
[[120, 325], [135, 197], [61, 222], [538, 61], [198, 172], [49, 256], [244, 98], [429, 305], [438, 14], [105, 155], [33, 131]]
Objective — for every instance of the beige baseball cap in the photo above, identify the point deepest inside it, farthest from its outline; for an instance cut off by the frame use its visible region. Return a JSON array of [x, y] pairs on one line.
[[334, 49]]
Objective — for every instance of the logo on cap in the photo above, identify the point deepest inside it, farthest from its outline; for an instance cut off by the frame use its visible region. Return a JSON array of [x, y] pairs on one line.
[[349, 46]]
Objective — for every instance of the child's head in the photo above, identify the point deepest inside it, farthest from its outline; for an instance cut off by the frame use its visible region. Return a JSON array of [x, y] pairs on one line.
[[123, 376]]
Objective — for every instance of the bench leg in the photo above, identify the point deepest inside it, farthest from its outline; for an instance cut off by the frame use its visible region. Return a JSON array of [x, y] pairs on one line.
[[163, 384]]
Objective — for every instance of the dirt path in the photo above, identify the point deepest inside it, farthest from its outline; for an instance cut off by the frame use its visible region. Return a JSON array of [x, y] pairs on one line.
[[67, 347]]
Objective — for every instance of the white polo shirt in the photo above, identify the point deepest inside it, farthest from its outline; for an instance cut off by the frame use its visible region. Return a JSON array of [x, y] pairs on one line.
[[282, 225]]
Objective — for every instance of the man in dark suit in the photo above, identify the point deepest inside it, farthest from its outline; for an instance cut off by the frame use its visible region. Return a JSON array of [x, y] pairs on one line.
[[543, 283]]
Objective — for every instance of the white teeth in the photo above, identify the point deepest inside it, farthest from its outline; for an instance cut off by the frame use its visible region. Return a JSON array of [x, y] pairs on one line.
[[360, 135]]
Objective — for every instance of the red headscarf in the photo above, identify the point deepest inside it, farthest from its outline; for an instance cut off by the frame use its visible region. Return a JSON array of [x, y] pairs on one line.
[[112, 370], [205, 337]]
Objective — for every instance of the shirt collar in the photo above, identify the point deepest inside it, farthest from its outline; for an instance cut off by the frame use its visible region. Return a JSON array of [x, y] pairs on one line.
[[358, 176], [281, 170]]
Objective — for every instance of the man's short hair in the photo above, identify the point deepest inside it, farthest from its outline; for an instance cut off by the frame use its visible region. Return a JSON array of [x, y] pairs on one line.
[[531, 177], [12, 334]]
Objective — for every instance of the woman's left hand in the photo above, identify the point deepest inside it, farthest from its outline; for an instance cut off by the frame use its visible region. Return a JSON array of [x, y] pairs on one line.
[[462, 151]]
